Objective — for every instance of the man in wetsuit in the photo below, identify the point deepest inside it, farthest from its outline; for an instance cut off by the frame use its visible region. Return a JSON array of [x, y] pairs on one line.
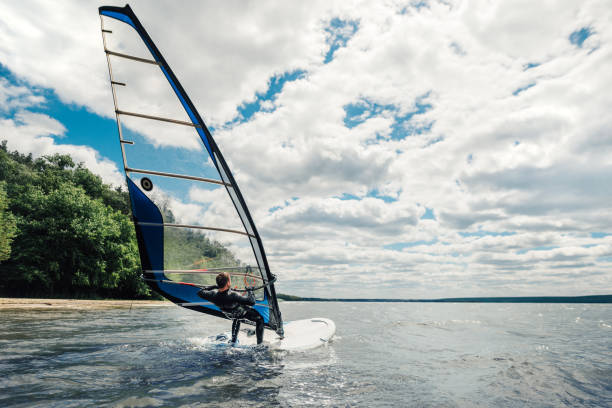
[[235, 305]]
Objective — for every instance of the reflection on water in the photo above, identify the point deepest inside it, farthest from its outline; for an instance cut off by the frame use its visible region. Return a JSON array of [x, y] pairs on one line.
[[397, 355]]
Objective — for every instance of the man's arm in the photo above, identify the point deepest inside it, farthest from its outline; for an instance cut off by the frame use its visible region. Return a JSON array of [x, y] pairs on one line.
[[207, 293], [244, 300]]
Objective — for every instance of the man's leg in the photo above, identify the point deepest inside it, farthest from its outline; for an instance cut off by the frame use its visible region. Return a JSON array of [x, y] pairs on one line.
[[254, 316], [235, 329], [259, 328]]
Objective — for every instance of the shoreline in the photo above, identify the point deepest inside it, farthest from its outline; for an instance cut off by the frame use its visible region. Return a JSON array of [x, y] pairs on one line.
[[83, 304], [95, 304]]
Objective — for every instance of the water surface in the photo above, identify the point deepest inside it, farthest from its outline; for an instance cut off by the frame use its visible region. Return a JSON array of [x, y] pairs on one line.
[[383, 354]]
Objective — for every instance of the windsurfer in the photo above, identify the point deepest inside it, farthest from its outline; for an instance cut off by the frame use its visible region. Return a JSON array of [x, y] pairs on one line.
[[234, 305]]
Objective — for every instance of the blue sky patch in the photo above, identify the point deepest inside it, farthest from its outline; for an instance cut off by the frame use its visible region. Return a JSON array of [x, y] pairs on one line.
[[600, 234], [399, 246], [522, 89], [578, 37], [538, 248], [287, 203], [417, 5], [530, 65], [339, 33], [429, 214], [364, 109], [274, 209], [84, 128], [347, 196], [402, 127], [372, 193], [482, 233], [375, 194], [275, 86]]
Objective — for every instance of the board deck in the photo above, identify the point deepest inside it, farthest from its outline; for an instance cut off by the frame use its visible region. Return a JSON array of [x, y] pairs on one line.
[[299, 335]]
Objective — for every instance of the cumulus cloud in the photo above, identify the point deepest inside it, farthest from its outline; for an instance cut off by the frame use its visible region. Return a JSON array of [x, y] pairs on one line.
[[14, 97]]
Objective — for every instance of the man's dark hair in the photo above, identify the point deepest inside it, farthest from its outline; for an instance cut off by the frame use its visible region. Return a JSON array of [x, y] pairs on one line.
[[222, 279]]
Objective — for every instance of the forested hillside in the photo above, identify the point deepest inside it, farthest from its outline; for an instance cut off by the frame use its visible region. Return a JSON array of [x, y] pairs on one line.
[[63, 232]]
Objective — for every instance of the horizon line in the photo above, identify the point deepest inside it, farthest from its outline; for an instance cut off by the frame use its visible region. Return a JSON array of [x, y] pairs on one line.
[[487, 299]]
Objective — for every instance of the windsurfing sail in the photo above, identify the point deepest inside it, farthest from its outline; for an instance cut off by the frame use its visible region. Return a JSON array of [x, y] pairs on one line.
[[191, 219]]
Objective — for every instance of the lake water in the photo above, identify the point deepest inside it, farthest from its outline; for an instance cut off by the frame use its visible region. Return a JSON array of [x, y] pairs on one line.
[[383, 355]]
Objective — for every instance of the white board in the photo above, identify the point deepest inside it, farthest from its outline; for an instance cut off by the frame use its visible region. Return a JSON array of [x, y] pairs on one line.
[[299, 335]]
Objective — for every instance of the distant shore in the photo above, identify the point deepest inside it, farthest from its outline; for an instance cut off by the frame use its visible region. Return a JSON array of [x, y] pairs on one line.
[[518, 299], [83, 304]]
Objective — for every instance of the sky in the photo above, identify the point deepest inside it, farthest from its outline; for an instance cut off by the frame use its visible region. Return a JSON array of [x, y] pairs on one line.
[[398, 149]]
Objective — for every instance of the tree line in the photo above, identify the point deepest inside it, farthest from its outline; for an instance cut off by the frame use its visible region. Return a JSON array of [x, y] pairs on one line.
[[63, 232]]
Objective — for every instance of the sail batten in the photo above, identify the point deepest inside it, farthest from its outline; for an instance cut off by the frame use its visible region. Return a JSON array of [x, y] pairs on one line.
[[196, 227], [172, 175], [187, 224], [212, 271], [152, 117], [131, 57]]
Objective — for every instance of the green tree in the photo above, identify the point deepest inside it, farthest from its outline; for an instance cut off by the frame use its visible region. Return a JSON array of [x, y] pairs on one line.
[[71, 244], [7, 225]]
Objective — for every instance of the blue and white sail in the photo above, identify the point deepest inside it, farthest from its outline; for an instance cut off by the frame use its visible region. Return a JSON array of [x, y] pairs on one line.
[[191, 219]]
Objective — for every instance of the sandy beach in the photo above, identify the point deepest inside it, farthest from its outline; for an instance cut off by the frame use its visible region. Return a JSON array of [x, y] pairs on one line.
[[26, 303]]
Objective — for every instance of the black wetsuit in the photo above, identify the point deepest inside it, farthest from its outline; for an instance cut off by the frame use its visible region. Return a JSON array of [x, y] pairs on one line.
[[237, 307]]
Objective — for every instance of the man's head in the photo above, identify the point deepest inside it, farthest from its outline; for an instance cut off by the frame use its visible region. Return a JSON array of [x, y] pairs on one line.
[[223, 281]]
